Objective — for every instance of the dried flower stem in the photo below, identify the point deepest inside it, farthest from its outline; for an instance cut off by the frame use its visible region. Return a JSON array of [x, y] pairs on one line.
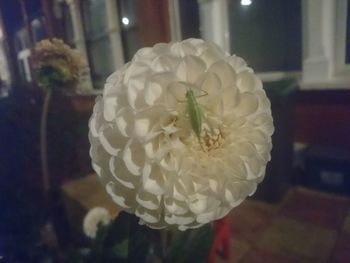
[[43, 143]]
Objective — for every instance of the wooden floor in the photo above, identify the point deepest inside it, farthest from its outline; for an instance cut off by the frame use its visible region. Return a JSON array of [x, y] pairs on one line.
[[307, 226]]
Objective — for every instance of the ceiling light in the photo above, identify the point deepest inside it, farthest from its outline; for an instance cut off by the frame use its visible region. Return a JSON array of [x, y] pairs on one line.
[[125, 21], [246, 2]]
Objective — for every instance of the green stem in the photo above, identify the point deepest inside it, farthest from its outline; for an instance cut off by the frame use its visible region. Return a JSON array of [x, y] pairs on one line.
[[43, 143], [129, 235], [164, 243]]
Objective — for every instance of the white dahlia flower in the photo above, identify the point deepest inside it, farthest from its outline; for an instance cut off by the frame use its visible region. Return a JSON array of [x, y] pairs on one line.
[[95, 216], [182, 134]]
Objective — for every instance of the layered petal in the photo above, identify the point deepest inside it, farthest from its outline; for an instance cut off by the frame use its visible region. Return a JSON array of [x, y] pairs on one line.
[[145, 144]]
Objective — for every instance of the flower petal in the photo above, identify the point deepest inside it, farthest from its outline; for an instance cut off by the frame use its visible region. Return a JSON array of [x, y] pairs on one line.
[[248, 104], [148, 200], [153, 180], [178, 220], [164, 63], [209, 83], [125, 121], [119, 198], [147, 215], [212, 215], [225, 73], [210, 56], [111, 139], [147, 124], [247, 81], [229, 98], [120, 173], [190, 68], [174, 206], [198, 203], [134, 157]]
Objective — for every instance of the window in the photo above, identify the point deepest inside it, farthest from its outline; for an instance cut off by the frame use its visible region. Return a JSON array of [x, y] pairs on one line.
[[143, 23], [4, 70], [68, 24], [342, 35], [347, 56], [267, 33], [38, 29], [23, 53], [189, 19], [114, 30], [129, 27], [97, 40]]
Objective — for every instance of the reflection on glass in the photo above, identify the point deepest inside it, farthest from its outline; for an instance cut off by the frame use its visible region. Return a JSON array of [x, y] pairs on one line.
[[125, 21], [129, 27], [267, 34], [38, 29], [102, 61], [143, 24], [95, 16]]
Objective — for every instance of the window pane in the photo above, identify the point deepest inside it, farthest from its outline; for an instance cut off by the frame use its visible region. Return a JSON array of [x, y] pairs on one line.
[[130, 28], [267, 34], [98, 41], [95, 17], [189, 18], [38, 29], [4, 70], [347, 56], [143, 23], [101, 61], [68, 24]]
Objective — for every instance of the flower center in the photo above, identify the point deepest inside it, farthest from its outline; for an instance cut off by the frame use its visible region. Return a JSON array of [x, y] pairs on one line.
[[211, 139]]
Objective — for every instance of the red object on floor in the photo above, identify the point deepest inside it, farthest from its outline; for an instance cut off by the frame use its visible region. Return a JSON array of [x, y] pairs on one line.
[[222, 240]]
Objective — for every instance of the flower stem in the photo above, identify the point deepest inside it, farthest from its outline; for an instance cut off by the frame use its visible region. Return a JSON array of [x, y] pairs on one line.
[[164, 244], [43, 143]]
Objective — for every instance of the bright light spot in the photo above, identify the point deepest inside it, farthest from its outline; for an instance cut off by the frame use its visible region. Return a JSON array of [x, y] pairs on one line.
[[36, 22], [246, 2], [125, 21]]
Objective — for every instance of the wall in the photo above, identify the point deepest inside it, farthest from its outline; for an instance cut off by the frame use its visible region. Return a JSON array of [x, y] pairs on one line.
[[323, 117]]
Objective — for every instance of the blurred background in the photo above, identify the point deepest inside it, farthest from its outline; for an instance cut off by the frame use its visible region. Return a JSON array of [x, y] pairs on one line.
[[299, 48]]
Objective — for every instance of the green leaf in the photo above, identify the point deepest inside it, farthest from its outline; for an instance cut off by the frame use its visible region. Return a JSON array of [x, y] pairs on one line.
[[178, 245], [192, 245], [122, 249], [200, 243]]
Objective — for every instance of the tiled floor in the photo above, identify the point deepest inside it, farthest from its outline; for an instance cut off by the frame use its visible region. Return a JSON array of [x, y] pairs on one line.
[[307, 226]]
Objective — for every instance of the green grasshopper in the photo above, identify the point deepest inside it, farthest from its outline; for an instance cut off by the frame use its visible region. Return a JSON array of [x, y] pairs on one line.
[[194, 110]]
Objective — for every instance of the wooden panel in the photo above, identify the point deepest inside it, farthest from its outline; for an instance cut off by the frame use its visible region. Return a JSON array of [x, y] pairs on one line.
[[154, 21], [83, 194], [323, 117]]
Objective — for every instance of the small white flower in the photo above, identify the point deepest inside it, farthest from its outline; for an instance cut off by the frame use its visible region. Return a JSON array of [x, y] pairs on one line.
[[144, 144], [93, 218]]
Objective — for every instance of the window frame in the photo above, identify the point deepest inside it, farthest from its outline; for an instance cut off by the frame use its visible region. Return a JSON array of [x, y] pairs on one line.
[[340, 66], [325, 70], [219, 32], [112, 31]]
